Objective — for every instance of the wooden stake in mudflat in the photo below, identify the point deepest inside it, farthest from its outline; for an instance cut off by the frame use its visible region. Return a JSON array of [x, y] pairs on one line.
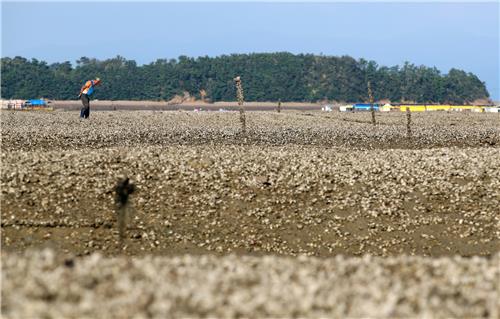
[[279, 106], [408, 123], [123, 189], [239, 95], [372, 109]]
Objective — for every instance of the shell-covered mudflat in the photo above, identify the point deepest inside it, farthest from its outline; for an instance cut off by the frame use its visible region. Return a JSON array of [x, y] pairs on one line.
[[41, 285], [64, 130], [294, 184]]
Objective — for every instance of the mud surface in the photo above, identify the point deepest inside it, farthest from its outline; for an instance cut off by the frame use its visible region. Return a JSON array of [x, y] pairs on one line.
[[296, 183]]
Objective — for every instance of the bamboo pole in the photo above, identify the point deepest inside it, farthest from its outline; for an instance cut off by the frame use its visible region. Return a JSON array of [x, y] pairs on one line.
[[372, 109], [239, 95], [408, 123]]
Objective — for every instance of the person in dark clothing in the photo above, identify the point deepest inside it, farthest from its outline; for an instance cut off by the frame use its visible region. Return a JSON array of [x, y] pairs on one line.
[[85, 111], [85, 92]]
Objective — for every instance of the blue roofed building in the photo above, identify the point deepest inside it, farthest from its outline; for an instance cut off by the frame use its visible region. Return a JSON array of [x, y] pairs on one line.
[[365, 106]]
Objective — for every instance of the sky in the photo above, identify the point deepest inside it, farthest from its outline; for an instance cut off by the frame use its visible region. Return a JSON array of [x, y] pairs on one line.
[[442, 34]]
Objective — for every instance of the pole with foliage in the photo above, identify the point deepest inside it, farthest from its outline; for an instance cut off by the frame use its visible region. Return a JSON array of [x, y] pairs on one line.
[[123, 189], [408, 123], [239, 95], [372, 109]]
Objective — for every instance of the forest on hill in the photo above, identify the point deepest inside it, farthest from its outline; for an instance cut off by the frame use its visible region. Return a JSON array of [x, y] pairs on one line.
[[265, 77]]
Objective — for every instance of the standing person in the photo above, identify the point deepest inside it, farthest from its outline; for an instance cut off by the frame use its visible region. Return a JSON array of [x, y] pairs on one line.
[[85, 91]]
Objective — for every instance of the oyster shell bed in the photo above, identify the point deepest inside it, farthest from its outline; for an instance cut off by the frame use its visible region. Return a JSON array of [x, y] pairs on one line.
[[297, 184], [63, 130], [41, 285]]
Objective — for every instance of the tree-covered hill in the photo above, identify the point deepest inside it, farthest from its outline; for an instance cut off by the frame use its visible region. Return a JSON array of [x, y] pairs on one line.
[[265, 76]]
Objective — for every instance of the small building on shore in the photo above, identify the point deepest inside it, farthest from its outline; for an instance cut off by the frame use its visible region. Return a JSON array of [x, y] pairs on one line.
[[365, 106], [440, 107], [33, 104], [13, 104]]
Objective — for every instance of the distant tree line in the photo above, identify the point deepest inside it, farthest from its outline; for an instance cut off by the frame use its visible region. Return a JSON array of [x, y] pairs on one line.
[[265, 76]]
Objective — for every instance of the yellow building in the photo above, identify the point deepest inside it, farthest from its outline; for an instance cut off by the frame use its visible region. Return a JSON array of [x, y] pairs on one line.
[[424, 108]]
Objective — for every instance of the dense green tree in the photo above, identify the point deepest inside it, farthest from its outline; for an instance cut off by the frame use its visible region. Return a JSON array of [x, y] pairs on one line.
[[266, 76]]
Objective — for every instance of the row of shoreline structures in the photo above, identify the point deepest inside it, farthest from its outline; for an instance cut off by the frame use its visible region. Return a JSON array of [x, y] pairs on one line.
[[107, 105]]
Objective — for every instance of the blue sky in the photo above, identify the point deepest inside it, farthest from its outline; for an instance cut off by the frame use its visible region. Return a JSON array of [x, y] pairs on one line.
[[445, 35]]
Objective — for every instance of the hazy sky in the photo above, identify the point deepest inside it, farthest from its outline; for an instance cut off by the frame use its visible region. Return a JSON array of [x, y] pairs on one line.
[[445, 35]]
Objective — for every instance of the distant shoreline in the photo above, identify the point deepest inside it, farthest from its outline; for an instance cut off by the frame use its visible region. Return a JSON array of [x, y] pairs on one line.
[[102, 105], [127, 105]]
